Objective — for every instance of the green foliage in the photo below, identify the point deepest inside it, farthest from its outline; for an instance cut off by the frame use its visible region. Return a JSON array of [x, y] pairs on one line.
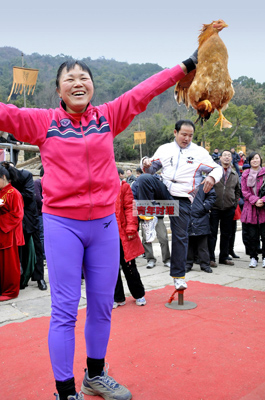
[[243, 120], [112, 78]]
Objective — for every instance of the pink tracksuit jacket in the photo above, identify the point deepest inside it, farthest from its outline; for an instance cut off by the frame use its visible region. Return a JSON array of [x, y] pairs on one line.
[[80, 179]]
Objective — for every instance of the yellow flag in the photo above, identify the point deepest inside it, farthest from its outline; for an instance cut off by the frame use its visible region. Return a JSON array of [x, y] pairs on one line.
[[23, 77], [139, 137]]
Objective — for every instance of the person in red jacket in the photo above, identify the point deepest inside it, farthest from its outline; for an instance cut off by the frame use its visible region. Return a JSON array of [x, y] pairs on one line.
[[11, 235], [80, 187], [130, 247]]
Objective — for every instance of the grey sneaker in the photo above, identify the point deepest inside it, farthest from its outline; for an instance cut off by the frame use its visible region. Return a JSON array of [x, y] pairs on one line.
[[141, 301], [151, 264], [149, 229], [77, 396], [118, 303], [105, 386]]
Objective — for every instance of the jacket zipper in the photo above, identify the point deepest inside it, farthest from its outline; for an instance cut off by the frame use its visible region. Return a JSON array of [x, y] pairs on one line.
[[88, 169]]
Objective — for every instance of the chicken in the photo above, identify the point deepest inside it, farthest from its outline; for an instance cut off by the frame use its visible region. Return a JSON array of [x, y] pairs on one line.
[[209, 87]]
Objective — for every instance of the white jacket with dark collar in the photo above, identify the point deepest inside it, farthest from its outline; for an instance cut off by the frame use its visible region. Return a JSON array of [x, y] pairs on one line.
[[182, 168]]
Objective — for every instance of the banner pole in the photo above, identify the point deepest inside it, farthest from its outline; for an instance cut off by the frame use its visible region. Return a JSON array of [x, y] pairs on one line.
[[24, 91]]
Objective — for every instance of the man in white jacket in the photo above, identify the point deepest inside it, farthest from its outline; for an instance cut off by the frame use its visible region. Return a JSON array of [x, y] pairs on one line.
[[182, 163]]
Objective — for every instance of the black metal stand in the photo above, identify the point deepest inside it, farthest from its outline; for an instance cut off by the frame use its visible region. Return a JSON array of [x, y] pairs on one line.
[[180, 304]]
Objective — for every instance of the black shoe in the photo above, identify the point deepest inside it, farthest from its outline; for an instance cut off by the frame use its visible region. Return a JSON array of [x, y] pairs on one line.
[[207, 269], [234, 255], [188, 268], [42, 284]]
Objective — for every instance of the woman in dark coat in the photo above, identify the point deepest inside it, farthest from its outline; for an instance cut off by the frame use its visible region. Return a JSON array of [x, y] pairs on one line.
[[199, 229]]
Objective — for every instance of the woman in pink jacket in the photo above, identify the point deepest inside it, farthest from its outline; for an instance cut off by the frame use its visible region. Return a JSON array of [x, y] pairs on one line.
[[253, 213], [80, 187]]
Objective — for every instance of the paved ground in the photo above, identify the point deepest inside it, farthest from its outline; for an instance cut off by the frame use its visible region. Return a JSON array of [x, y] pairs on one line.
[[32, 302]]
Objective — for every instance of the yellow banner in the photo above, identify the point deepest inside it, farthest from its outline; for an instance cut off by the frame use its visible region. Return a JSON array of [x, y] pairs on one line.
[[23, 77], [139, 137]]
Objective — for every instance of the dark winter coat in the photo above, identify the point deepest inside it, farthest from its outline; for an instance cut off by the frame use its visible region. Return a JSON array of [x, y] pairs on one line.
[[25, 185], [128, 223], [227, 196], [200, 212]]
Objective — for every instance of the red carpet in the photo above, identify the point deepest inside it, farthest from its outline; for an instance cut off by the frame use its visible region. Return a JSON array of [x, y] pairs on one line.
[[213, 352]]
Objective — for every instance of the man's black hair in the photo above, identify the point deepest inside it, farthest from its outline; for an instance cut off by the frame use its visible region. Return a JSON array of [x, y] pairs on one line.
[[181, 122], [226, 150]]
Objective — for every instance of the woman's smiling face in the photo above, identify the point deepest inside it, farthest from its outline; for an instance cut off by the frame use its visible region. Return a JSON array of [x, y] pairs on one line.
[[76, 89], [255, 162]]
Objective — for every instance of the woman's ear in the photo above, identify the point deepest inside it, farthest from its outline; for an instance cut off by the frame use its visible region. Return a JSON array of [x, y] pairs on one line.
[[59, 93]]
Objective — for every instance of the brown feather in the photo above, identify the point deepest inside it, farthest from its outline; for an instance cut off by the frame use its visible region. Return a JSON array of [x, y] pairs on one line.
[[211, 81]]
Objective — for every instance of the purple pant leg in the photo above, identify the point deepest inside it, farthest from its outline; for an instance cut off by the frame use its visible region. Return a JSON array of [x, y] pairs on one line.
[[101, 266], [69, 244]]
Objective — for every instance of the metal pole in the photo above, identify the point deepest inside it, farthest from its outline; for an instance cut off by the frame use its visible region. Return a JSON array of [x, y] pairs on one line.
[[22, 55]]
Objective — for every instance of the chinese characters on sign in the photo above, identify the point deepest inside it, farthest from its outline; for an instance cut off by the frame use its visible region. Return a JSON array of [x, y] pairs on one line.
[[158, 208]]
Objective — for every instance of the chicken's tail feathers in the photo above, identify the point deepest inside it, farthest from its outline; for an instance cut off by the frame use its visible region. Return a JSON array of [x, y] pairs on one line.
[[202, 118], [181, 92]]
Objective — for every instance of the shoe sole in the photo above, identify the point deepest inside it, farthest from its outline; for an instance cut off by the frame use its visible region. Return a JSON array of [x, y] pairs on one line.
[[92, 392]]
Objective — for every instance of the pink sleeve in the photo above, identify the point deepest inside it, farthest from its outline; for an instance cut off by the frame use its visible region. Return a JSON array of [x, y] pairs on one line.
[[122, 110], [28, 125]]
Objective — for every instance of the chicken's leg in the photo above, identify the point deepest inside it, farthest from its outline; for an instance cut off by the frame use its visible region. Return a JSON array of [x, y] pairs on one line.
[[224, 123]]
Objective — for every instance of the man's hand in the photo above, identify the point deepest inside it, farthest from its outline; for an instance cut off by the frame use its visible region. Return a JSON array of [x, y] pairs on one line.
[[147, 162], [208, 183]]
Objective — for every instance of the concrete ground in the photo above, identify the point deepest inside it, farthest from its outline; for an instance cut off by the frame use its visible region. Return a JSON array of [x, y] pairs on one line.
[[33, 303]]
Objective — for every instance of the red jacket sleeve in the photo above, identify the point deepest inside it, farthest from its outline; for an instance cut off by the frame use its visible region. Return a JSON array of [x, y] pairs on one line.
[[131, 220]]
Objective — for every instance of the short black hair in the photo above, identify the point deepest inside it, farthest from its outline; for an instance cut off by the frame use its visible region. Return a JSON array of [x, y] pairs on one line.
[[8, 171], [139, 170], [226, 150], [252, 155], [181, 122], [120, 171]]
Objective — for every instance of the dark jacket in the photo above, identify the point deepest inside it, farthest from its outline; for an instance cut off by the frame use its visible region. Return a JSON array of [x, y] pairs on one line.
[[131, 179], [25, 186], [227, 196], [236, 158], [200, 212], [38, 193]]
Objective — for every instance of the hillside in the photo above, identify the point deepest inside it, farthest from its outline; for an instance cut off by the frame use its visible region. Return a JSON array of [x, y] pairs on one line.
[[112, 78]]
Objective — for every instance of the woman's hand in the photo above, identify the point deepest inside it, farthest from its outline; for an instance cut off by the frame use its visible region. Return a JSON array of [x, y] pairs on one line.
[[259, 203]]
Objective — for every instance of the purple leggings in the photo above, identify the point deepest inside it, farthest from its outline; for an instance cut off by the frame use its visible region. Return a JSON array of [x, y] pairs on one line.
[[69, 245]]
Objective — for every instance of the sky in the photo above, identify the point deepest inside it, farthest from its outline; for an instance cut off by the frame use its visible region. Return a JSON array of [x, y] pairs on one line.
[[163, 32]]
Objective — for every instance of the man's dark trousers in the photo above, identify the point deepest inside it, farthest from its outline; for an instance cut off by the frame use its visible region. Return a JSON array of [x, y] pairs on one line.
[[226, 229], [152, 188]]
